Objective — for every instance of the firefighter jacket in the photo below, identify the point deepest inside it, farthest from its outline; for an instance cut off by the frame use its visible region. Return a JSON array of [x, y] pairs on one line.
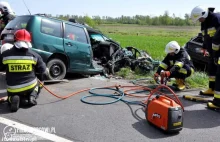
[[21, 67], [210, 29], [181, 61]]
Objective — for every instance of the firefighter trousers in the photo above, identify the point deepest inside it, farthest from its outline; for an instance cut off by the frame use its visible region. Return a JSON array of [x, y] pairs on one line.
[[212, 69], [182, 73], [25, 95], [216, 100]]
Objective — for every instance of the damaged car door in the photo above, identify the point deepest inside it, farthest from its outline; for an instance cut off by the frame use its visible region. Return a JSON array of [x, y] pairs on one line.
[[77, 46]]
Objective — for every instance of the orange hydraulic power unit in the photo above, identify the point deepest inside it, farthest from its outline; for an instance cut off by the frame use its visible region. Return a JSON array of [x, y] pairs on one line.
[[165, 113]]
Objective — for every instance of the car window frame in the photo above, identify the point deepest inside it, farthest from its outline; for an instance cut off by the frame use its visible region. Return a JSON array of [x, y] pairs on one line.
[[53, 20], [83, 29]]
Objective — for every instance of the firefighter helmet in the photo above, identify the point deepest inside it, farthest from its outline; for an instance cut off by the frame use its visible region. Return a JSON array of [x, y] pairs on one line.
[[172, 47], [199, 12], [22, 39], [5, 7]]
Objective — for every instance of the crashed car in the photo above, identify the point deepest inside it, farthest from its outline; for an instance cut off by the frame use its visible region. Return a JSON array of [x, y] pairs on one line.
[[113, 57], [67, 46], [196, 52]]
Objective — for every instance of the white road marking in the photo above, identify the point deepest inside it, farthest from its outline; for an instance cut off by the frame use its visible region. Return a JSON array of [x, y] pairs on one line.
[[33, 131]]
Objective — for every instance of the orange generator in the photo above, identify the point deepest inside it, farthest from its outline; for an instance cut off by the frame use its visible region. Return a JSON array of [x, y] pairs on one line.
[[164, 113]]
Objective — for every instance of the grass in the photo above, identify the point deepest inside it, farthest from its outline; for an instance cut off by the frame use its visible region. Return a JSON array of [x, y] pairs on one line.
[[153, 39]]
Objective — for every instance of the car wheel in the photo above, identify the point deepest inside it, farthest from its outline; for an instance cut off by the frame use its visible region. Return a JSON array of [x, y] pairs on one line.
[[56, 69]]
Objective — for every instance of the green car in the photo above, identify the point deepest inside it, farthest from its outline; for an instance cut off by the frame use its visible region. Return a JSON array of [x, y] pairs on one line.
[[64, 46]]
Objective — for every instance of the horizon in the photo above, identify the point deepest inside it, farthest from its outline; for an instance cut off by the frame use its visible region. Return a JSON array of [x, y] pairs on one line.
[[113, 8]]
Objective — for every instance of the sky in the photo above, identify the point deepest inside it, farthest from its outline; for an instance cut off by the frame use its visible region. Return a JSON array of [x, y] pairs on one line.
[[112, 8]]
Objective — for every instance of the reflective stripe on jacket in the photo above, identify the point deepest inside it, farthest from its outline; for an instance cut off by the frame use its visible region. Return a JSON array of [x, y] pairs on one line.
[[21, 68]]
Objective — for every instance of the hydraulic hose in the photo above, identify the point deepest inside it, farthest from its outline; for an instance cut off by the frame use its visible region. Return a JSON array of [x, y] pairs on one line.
[[103, 95], [121, 94], [119, 97]]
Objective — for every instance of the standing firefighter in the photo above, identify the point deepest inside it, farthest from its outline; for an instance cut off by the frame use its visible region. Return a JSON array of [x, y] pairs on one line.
[[210, 27], [21, 65], [176, 64], [7, 14]]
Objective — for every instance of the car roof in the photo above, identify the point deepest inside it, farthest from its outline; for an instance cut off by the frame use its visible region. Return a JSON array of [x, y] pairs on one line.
[[89, 29], [45, 16]]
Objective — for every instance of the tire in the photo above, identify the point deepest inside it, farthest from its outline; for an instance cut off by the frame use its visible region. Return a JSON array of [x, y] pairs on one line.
[[57, 69]]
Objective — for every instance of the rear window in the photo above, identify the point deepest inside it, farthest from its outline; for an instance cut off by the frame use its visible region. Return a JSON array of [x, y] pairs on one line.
[[51, 27], [18, 23]]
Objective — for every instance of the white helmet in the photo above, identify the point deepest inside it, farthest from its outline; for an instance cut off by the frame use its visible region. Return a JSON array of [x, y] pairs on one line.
[[6, 7], [172, 47], [199, 12], [6, 46]]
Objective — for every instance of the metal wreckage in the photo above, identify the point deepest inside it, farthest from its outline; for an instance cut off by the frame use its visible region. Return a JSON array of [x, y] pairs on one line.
[[112, 57]]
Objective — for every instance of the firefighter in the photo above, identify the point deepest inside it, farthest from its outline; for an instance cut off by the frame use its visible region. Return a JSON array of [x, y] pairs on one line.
[[210, 23], [177, 64], [7, 14], [22, 64]]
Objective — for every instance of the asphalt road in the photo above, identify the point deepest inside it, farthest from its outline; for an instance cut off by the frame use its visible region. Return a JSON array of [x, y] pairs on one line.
[[70, 119]]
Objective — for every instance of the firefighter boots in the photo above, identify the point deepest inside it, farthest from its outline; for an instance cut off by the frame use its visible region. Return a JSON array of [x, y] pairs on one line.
[[32, 101], [15, 101], [180, 84], [209, 92]]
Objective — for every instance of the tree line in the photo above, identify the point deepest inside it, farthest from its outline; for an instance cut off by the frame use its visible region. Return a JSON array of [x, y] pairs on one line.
[[162, 20]]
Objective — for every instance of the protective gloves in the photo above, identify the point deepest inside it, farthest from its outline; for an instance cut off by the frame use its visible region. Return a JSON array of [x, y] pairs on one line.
[[165, 74]]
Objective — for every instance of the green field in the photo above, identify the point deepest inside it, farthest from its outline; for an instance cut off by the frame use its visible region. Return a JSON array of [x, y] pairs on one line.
[[152, 39]]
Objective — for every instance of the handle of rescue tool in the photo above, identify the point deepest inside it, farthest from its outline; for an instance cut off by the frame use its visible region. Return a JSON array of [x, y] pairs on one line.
[[164, 99], [157, 90]]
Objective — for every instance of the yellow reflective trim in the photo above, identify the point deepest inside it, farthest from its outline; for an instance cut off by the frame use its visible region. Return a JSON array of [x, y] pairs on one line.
[[177, 123], [22, 89], [215, 47], [217, 96], [192, 71], [211, 31], [171, 63], [195, 16], [19, 62], [163, 65], [217, 92], [182, 70], [9, 99], [180, 64], [212, 78], [20, 67], [203, 32], [36, 89]]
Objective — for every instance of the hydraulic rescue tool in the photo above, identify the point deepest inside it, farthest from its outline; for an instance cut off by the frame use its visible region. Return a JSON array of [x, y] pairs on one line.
[[196, 98], [207, 100], [163, 111]]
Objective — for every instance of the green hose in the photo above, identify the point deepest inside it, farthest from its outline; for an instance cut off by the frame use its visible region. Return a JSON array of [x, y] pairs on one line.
[[116, 97]]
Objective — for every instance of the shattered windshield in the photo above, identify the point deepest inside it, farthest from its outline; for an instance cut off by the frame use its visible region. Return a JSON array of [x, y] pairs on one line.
[[97, 37]]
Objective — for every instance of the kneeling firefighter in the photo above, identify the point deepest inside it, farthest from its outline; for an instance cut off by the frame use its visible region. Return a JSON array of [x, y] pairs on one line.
[[177, 64], [22, 64]]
